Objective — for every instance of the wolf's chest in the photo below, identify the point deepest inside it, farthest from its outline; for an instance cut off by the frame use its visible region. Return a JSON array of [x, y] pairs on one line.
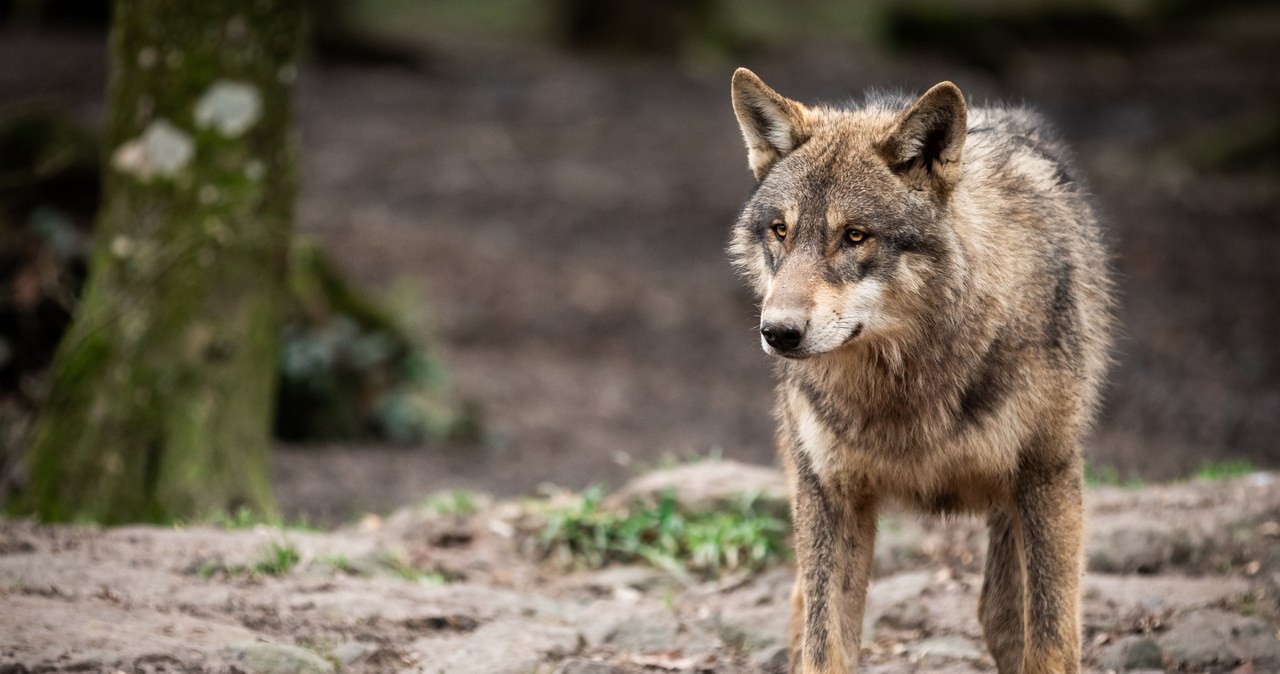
[[920, 455]]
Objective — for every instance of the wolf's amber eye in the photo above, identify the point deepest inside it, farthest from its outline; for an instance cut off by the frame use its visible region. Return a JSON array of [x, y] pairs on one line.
[[855, 236], [779, 230]]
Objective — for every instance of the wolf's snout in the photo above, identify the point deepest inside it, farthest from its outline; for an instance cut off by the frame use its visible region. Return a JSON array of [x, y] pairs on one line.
[[782, 336]]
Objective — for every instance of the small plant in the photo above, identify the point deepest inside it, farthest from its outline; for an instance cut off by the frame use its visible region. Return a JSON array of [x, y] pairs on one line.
[[708, 543], [278, 559], [401, 567], [1105, 475], [456, 502], [245, 518], [1224, 470], [342, 564], [241, 518]]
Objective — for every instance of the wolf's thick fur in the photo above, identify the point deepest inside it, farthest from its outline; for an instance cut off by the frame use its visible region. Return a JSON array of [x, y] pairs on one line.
[[933, 279]]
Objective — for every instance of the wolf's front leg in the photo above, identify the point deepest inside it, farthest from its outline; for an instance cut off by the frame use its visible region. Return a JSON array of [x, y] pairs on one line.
[[835, 535], [1051, 508]]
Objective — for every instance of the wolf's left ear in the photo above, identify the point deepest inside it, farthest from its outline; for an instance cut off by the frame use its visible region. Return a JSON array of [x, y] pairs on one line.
[[927, 139], [772, 125]]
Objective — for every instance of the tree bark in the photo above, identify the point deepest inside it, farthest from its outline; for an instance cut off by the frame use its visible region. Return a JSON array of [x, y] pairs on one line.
[[161, 398]]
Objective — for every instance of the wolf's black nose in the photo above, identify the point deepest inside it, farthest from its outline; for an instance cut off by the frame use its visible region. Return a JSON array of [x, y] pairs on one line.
[[782, 336]]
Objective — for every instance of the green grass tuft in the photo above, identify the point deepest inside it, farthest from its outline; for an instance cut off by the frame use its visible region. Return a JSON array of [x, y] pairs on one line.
[[278, 559], [1224, 470], [1104, 475], [456, 502], [707, 543]]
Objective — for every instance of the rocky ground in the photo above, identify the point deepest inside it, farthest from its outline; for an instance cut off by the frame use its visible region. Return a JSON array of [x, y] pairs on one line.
[[1183, 577]]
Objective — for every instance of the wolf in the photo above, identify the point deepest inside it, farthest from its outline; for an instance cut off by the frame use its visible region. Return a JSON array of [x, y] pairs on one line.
[[935, 286]]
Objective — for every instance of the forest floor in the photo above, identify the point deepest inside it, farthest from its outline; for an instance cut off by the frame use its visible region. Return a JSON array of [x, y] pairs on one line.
[[1183, 577]]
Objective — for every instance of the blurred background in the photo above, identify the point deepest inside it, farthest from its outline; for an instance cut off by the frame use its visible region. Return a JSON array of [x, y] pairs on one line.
[[509, 266]]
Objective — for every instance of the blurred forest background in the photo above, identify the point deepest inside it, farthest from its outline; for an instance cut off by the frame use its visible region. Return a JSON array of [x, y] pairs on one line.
[[508, 266]]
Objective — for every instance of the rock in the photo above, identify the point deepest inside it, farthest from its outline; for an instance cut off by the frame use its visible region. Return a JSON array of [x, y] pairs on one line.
[[1138, 545], [350, 652], [771, 660], [905, 615], [507, 647], [709, 485], [578, 666], [1210, 637], [944, 648], [756, 628], [265, 657], [899, 544], [610, 580], [1167, 591], [1132, 653], [648, 631]]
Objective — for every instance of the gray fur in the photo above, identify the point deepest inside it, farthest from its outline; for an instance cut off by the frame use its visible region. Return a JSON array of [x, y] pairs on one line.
[[950, 281]]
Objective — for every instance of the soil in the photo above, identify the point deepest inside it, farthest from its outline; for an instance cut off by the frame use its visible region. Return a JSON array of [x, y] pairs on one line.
[[421, 591]]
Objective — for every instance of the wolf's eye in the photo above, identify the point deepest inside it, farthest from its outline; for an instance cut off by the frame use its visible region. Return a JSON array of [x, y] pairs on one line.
[[855, 236], [779, 230]]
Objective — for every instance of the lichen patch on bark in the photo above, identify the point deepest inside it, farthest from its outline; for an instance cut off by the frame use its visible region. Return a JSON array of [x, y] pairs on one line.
[[162, 150], [230, 108]]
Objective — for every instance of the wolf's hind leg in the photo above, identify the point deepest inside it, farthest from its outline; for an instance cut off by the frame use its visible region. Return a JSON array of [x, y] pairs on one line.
[[1000, 605]]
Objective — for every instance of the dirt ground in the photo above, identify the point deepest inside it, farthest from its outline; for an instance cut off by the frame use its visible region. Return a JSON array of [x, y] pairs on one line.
[[1182, 578]]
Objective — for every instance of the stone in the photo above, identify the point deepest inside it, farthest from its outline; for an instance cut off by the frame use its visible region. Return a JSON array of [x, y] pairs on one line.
[[1137, 545], [350, 652], [1166, 591], [579, 666], [650, 631], [709, 485], [1131, 653], [944, 647], [1207, 638], [755, 628], [266, 657], [772, 660], [506, 647]]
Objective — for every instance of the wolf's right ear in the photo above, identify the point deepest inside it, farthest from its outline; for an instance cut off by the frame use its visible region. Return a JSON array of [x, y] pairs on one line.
[[771, 125]]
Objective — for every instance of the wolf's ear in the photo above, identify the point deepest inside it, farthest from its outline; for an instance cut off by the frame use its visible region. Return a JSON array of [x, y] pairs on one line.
[[772, 125], [927, 139]]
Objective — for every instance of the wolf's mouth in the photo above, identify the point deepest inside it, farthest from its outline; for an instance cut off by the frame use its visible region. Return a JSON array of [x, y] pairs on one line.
[[803, 355], [852, 335]]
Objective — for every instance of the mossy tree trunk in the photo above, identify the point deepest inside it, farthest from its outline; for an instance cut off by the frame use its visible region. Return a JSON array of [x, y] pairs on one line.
[[162, 390]]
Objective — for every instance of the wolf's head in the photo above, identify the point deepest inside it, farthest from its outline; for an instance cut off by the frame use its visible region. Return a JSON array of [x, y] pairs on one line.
[[846, 235]]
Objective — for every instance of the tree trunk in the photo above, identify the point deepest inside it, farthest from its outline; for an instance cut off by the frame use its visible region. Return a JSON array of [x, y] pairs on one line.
[[162, 390]]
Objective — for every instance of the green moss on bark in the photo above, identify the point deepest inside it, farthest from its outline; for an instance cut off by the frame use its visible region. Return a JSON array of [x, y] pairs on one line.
[[161, 399]]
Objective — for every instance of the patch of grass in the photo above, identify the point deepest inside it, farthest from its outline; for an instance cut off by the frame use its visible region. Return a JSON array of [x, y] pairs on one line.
[[278, 559], [1105, 475], [210, 568], [398, 565], [456, 502], [1224, 470], [245, 518], [707, 543], [342, 564]]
